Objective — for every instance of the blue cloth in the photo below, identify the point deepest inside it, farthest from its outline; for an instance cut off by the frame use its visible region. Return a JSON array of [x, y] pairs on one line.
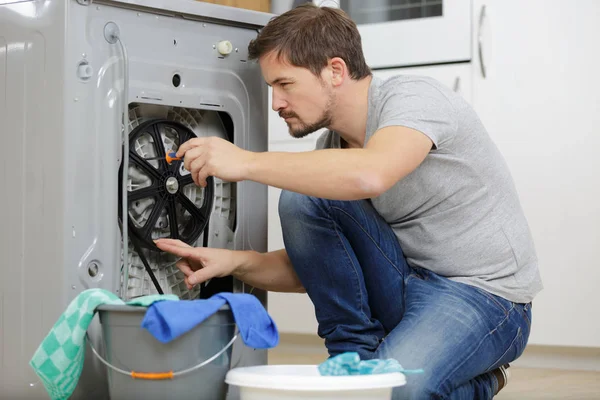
[[368, 299], [349, 363], [169, 320]]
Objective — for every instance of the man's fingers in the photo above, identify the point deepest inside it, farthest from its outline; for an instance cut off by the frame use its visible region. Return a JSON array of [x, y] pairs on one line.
[[188, 145], [202, 275], [196, 167], [190, 156], [184, 267], [173, 242], [186, 252], [185, 147], [201, 178]]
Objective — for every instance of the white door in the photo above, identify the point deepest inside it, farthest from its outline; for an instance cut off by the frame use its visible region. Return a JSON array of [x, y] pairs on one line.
[[536, 87], [411, 32], [455, 76]]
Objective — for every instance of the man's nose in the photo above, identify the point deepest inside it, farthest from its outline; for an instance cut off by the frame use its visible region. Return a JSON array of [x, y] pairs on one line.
[[278, 102]]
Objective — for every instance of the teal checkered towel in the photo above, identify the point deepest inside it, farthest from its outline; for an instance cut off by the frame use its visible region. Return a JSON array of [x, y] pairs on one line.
[[58, 361], [350, 364]]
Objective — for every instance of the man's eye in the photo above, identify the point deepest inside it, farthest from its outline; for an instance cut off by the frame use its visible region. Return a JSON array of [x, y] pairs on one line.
[[283, 85]]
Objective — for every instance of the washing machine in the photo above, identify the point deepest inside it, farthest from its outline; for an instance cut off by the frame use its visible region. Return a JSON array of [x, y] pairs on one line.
[[92, 93]]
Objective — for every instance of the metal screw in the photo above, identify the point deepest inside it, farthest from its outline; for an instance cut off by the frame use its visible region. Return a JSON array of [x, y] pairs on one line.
[[236, 50], [73, 287], [204, 25], [93, 269], [214, 46]]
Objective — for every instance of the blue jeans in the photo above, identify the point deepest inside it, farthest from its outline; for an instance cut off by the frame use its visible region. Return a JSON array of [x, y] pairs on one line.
[[369, 300]]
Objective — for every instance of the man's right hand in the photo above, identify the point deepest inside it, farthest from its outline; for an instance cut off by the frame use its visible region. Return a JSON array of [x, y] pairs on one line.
[[199, 264]]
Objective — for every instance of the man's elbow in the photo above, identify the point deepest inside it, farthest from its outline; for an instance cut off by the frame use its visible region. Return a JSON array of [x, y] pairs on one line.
[[297, 286], [287, 288], [371, 184], [299, 289]]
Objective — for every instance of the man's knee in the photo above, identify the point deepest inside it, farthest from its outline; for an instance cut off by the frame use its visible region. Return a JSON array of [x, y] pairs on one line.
[[418, 388], [428, 384], [294, 205]]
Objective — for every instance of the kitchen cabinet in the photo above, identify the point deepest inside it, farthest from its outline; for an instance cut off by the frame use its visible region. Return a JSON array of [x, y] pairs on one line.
[[408, 32], [458, 77], [536, 87], [533, 80]]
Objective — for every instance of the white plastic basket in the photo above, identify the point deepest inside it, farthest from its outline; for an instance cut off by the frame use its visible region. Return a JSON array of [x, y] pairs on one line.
[[297, 382]]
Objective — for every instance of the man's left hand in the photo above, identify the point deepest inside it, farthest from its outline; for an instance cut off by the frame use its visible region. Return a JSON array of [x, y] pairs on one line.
[[213, 156]]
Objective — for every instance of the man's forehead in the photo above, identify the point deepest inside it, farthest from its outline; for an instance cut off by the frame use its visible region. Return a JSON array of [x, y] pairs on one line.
[[273, 62], [276, 69]]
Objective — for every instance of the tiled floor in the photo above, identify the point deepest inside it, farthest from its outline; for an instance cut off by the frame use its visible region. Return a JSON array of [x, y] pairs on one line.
[[525, 383]]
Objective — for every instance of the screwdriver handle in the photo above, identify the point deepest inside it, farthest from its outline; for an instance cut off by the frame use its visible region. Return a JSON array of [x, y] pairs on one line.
[[172, 156]]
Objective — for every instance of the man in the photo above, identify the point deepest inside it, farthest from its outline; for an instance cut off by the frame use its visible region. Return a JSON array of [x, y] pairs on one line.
[[404, 226]]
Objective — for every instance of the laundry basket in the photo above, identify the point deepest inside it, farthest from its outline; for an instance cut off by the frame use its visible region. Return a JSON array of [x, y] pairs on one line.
[[304, 382], [140, 367]]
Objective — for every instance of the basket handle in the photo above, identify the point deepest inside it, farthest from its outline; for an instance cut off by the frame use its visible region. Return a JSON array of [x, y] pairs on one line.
[[160, 375], [154, 376]]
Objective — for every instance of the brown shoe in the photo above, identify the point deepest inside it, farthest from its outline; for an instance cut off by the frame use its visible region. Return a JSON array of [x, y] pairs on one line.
[[502, 374]]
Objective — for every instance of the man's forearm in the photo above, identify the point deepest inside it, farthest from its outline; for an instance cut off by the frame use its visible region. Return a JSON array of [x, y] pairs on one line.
[[349, 174], [271, 271]]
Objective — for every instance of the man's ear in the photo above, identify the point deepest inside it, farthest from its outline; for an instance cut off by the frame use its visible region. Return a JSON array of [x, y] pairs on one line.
[[339, 71]]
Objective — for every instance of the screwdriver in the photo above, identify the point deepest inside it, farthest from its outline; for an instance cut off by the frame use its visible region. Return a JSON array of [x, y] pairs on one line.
[[170, 157]]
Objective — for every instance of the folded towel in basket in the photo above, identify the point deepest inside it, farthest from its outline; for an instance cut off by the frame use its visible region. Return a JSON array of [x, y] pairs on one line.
[[58, 361], [349, 363], [168, 320]]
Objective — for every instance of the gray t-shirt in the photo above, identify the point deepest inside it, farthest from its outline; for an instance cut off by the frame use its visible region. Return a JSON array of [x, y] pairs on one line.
[[458, 214]]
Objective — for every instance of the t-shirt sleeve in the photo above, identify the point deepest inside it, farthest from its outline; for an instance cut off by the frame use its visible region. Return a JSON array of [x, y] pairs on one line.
[[421, 106]]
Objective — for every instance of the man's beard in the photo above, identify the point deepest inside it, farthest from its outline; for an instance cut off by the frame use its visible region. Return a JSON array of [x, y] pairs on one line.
[[306, 129]]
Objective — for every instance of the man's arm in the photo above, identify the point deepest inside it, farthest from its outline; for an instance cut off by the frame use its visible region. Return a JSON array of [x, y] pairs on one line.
[[271, 271], [345, 174], [339, 174]]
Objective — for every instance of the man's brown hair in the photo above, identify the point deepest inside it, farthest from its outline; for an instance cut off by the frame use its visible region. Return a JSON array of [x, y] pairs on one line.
[[308, 36]]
